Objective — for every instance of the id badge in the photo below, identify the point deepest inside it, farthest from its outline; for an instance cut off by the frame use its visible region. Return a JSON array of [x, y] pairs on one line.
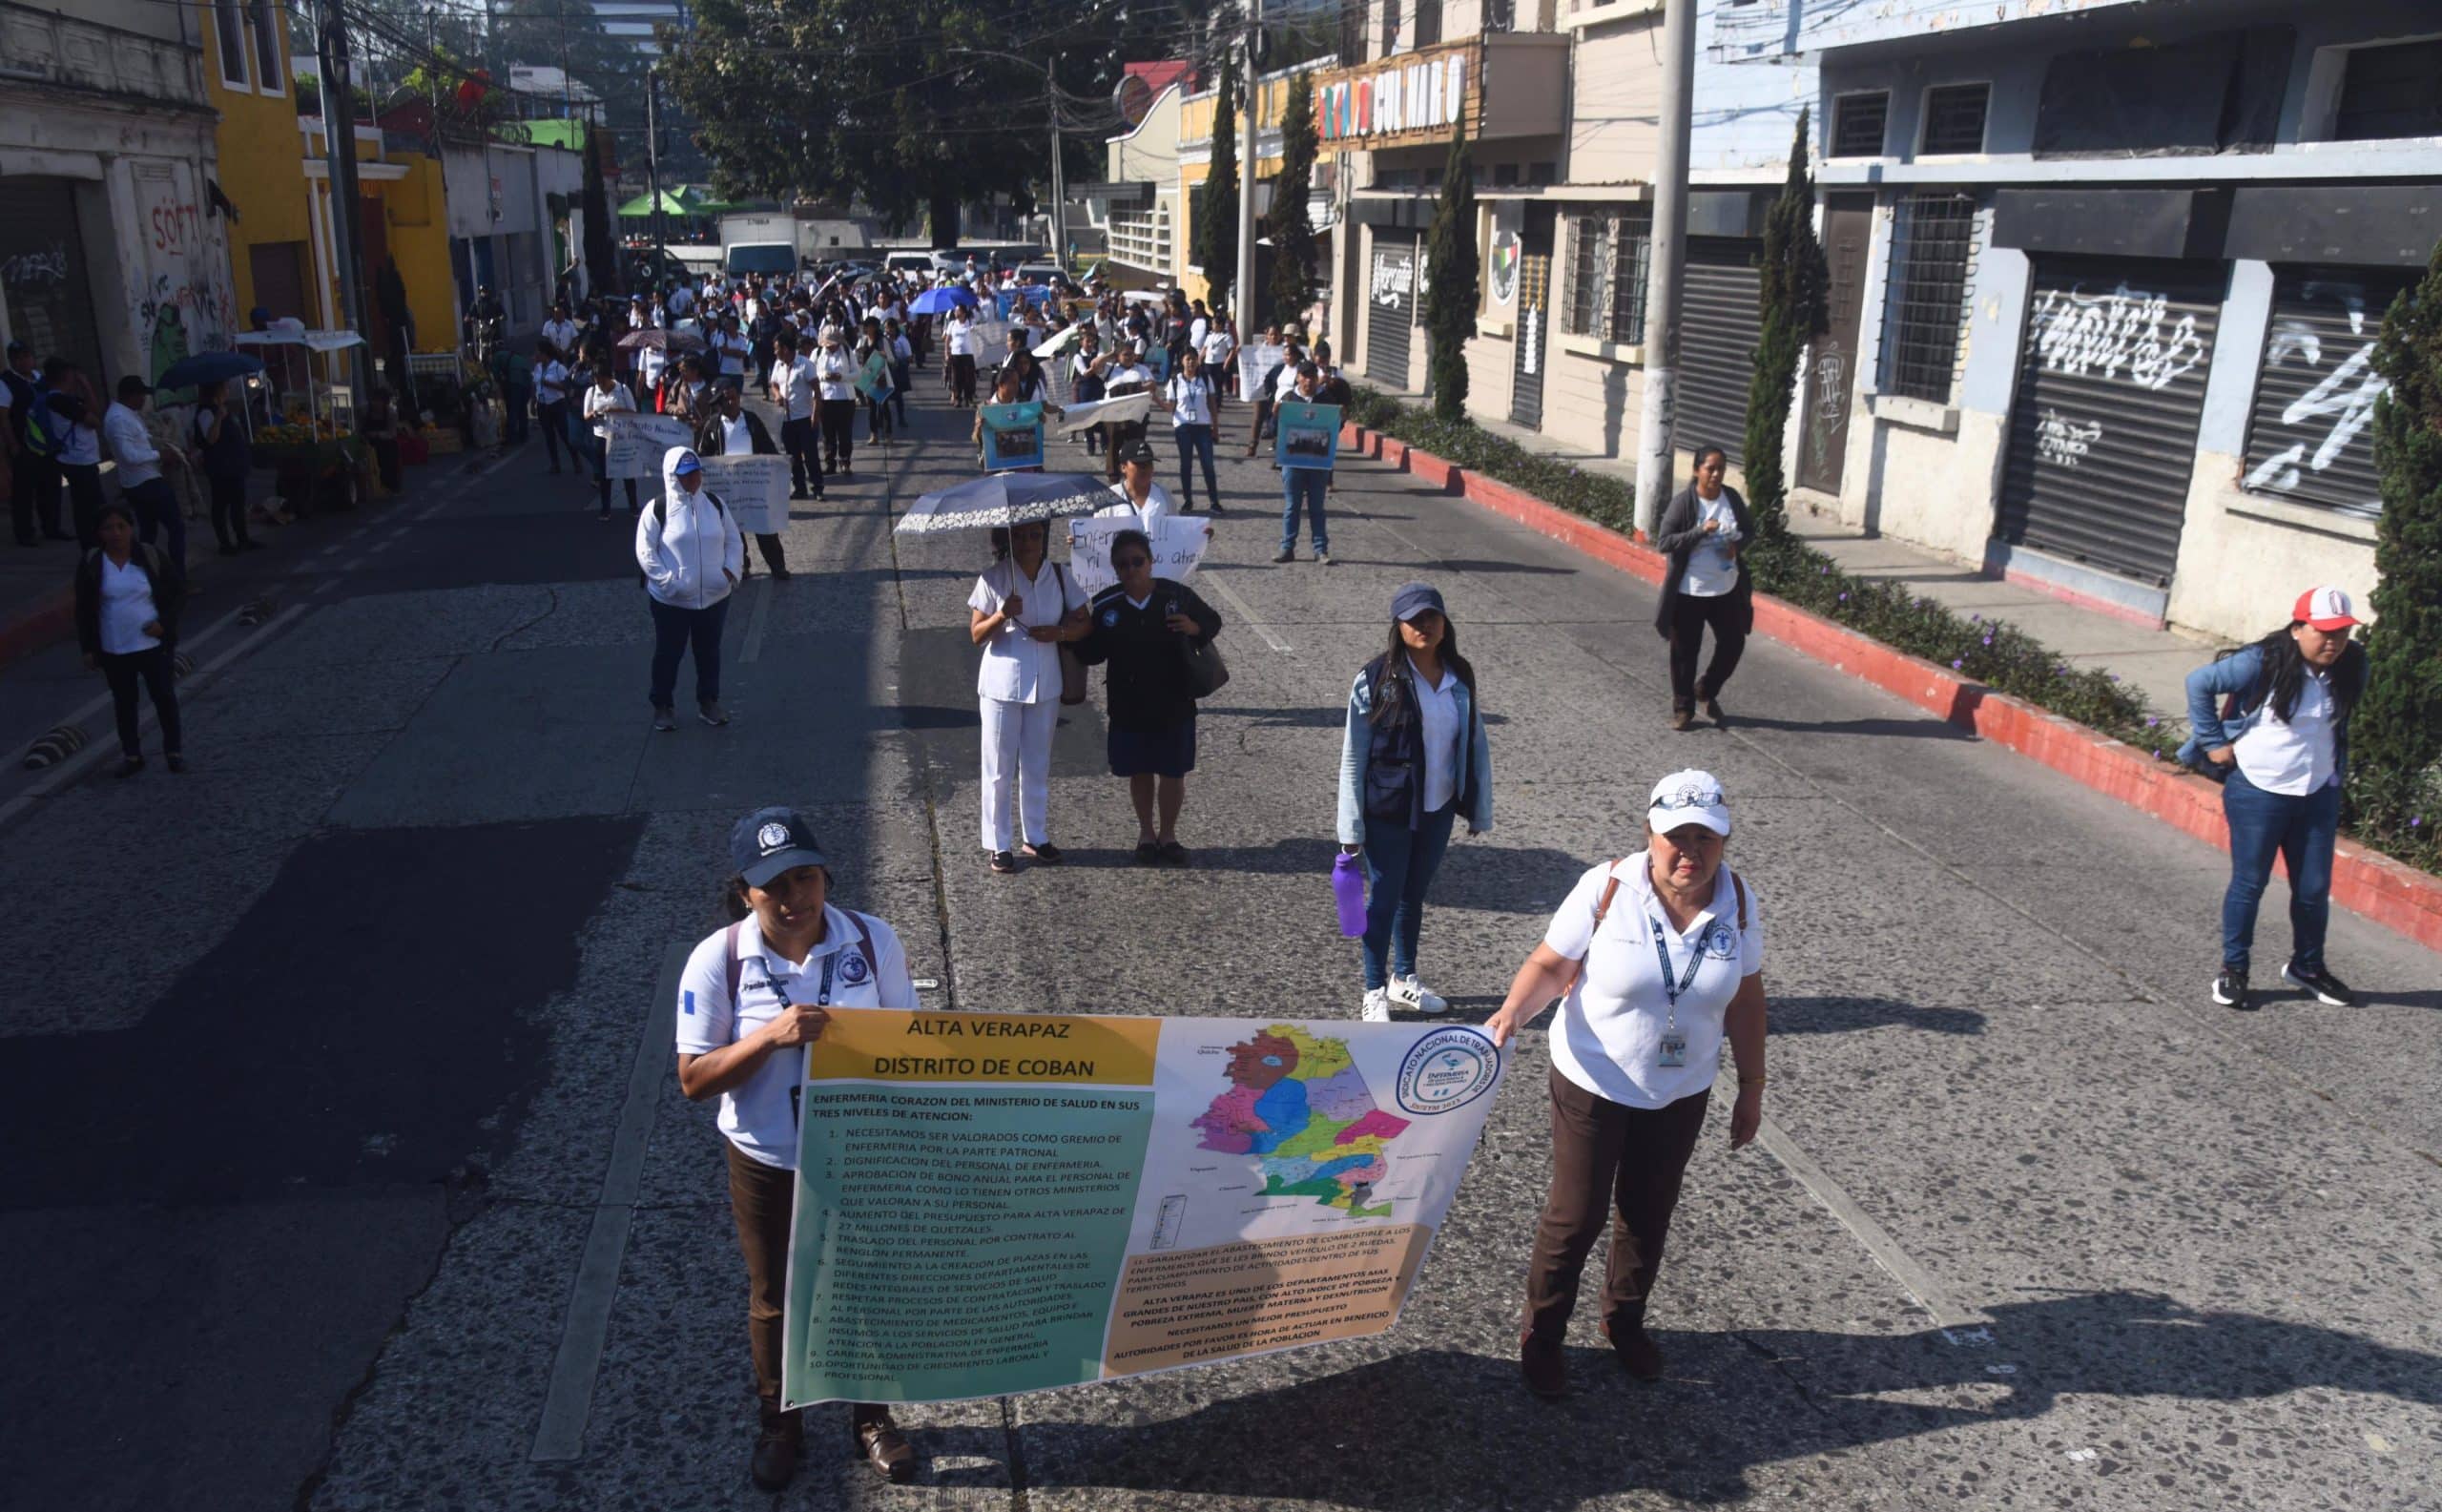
[[1674, 1049]]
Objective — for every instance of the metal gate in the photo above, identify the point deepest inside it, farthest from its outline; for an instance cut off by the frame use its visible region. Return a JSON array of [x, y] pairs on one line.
[[1719, 322], [1390, 309], [1533, 357], [43, 275], [2111, 384], [2311, 437], [1830, 364]]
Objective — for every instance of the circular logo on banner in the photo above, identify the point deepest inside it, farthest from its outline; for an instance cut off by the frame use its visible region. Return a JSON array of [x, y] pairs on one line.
[[1448, 1069], [853, 969], [772, 837], [1504, 267]]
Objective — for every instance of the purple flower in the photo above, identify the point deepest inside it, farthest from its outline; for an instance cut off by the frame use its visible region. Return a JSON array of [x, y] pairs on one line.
[[2152, 720], [1976, 618], [1988, 640], [2417, 821], [2157, 753], [1957, 663], [1844, 598]]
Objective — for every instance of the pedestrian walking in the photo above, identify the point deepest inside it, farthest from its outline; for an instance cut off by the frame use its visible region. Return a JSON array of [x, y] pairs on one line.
[[139, 469], [1192, 400], [128, 597], [226, 457], [1414, 760], [753, 995], [735, 431], [1023, 608], [1707, 585], [1661, 958], [902, 357], [70, 416], [1266, 386], [874, 382], [603, 399], [692, 554], [1126, 375], [2270, 721], [835, 373], [1216, 351], [1305, 489], [795, 387], [1136, 497], [1143, 628], [33, 476], [552, 382], [959, 342]]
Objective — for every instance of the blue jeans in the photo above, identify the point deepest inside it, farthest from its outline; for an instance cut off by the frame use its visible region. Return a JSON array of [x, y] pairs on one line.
[[1305, 485], [1195, 441], [2300, 830], [677, 630], [1399, 863]]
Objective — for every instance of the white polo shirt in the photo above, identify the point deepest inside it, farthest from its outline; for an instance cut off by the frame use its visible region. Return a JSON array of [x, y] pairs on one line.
[[797, 384], [836, 371], [2295, 755], [1438, 705], [1017, 668], [733, 347], [960, 337], [758, 1115], [560, 334], [1608, 1037], [1158, 506]]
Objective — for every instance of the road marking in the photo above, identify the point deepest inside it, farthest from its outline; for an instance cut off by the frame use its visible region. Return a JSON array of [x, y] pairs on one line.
[[1248, 614], [751, 646], [1948, 1315], [560, 1436]]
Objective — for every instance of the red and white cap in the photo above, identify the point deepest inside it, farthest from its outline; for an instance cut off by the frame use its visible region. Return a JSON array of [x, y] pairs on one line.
[[2325, 607]]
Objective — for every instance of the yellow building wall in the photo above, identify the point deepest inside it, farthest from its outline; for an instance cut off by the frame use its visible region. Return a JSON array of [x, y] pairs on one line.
[[1269, 97], [1191, 176], [260, 157], [420, 243]]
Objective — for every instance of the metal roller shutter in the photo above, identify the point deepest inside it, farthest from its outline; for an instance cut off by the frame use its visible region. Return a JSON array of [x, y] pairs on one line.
[[43, 274], [1722, 321], [2312, 438], [2111, 383], [1390, 308]]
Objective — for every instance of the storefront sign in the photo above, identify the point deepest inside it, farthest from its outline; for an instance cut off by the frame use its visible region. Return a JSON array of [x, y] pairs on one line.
[[1408, 96]]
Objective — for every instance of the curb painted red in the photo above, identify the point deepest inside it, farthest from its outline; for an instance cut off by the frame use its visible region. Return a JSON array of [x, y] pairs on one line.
[[2396, 896]]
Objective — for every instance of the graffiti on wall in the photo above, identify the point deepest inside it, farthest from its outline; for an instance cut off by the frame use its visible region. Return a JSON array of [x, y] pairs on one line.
[[2123, 336], [2337, 407], [2064, 441], [174, 319], [35, 269]]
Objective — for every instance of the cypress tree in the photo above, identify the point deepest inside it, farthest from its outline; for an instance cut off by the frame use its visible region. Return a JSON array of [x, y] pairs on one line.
[[2395, 735], [1795, 310], [1291, 228], [1214, 243], [1452, 267]]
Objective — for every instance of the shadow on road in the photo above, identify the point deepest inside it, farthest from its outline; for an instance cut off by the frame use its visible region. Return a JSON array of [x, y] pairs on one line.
[[1844, 1015]]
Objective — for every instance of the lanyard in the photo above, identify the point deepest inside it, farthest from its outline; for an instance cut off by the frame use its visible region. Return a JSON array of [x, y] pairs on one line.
[[1662, 952]]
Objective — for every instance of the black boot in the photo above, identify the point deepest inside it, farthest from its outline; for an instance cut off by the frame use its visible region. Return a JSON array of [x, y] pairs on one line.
[[777, 1447]]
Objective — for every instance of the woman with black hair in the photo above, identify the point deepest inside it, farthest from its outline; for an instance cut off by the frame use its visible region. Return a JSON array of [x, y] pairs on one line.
[[128, 596], [753, 995], [1023, 608], [1415, 760], [1708, 585], [2278, 741], [1142, 627], [227, 459]]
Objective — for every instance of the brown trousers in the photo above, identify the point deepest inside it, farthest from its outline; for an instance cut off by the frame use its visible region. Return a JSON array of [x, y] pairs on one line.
[[760, 1198], [1607, 1159]]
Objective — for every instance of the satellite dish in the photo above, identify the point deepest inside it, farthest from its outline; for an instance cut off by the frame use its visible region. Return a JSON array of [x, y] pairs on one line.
[[1134, 98]]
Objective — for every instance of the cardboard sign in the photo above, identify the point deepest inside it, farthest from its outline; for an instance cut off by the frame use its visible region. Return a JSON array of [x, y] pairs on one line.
[[1105, 412], [1308, 435], [754, 487], [1178, 547], [639, 442], [1253, 364], [1012, 436]]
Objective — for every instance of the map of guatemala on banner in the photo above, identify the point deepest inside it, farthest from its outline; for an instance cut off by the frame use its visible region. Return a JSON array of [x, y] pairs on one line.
[[997, 1203]]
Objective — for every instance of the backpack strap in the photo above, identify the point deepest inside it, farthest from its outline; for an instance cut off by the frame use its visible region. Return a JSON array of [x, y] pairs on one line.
[[733, 970], [1611, 886]]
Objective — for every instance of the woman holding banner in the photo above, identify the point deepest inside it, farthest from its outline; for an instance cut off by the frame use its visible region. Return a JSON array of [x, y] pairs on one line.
[[734, 431], [603, 399], [1136, 627], [753, 995]]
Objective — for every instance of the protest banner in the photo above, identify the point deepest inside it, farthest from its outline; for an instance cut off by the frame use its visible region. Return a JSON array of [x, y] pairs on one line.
[[1308, 434], [1107, 412], [1255, 364], [1178, 547], [993, 1203], [639, 442], [756, 488], [1012, 436]]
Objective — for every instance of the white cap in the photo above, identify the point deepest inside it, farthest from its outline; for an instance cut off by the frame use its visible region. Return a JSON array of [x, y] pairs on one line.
[[1687, 798]]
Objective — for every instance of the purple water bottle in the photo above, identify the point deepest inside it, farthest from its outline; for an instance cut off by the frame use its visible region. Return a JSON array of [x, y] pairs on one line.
[[1348, 888]]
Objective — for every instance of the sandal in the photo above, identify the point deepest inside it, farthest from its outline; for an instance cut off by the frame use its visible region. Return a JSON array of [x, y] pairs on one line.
[[1004, 863], [1047, 852], [886, 1449]]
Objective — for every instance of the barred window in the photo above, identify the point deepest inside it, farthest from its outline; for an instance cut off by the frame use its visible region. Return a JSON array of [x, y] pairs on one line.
[[1933, 241], [1589, 257], [1955, 117], [1611, 256], [1857, 123]]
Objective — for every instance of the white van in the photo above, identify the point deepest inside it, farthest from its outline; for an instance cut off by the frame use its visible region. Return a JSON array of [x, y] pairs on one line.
[[910, 262]]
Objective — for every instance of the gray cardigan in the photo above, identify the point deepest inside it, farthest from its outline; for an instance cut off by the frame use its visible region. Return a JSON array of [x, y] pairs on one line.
[[1676, 535]]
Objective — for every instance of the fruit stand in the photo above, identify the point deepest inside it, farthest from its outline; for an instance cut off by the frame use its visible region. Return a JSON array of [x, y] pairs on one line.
[[319, 460]]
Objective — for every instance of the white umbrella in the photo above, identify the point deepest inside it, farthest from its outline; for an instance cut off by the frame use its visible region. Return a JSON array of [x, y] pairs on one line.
[[1005, 498]]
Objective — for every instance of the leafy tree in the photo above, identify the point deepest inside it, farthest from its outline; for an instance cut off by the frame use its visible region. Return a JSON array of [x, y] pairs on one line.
[[1452, 270], [1291, 228], [1795, 310], [1214, 243], [2395, 736]]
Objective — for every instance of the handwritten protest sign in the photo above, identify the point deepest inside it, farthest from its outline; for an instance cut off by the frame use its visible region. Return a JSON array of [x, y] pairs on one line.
[[1253, 364], [754, 487], [639, 442], [1178, 547], [1105, 412]]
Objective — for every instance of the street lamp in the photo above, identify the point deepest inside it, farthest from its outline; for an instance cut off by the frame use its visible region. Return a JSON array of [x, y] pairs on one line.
[[1059, 177]]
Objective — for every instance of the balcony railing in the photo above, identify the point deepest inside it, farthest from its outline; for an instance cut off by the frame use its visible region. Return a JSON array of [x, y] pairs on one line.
[[1142, 239]]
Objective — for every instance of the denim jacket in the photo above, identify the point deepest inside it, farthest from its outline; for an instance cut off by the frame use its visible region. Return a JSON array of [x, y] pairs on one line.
[[1473, 778], [2239, 673]]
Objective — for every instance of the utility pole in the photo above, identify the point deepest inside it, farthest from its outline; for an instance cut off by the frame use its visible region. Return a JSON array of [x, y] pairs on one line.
[[432, 75], [338, 142], [1654, 447], [653, 169], [1251, 93], [568, 87], [1059, 173]]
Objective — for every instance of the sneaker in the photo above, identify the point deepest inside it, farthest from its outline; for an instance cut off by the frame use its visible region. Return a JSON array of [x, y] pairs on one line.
[[1004, 863], [665, 718], [1408, 990], [2320, 985], [710, 712], [2230, 988], [1218, 507], [776, 1459], [1286, 555], [1322, 558], [1378, 1005]]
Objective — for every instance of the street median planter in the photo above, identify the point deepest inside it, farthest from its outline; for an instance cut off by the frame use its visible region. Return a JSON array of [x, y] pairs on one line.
[[2394, 895]]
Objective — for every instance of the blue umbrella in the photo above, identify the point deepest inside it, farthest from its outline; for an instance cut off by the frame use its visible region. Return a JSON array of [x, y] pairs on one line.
[[1006, 498], [941, 300], [207, 367]]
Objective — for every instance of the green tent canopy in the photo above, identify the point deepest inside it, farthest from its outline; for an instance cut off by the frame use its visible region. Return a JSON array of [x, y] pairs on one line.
[[681, 202]]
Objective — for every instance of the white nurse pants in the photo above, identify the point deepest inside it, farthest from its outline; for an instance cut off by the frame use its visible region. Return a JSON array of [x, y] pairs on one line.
[[1017, 748]]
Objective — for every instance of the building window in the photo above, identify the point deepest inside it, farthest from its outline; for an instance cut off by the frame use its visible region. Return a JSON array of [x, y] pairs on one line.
[[1428, 22], [1934, 237], [2389, 92], [1954, 118], [1611, 256], [268, 73], [1390, 26], [229, 26], [1857, 122], [1500, 15]]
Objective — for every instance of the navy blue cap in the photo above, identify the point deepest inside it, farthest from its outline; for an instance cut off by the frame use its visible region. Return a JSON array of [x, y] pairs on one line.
[[770, 841], [1414, 599]]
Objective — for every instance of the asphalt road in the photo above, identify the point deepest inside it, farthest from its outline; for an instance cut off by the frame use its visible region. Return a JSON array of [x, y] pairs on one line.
[[348, 1169]]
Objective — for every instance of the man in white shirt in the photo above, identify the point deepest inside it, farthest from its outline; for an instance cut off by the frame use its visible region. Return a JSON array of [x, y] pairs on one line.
[[834, 372], [1218, 352], [559, 333], [139, 468], [793, 386], [959, 342], [680, 302], [552, 382], [730, 348], [1126, 375], [1141, 500]]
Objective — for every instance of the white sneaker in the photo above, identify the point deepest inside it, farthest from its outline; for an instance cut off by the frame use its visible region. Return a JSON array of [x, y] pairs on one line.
[[1410, 991], [1378, 1005]]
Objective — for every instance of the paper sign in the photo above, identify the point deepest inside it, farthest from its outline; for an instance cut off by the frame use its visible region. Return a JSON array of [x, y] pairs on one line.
[[1012, 436], [873, 380], [1178, 547], [1105, 412], [756, 488], [1308, 435], [639, 442], [994, 1203], [1253, 364]]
